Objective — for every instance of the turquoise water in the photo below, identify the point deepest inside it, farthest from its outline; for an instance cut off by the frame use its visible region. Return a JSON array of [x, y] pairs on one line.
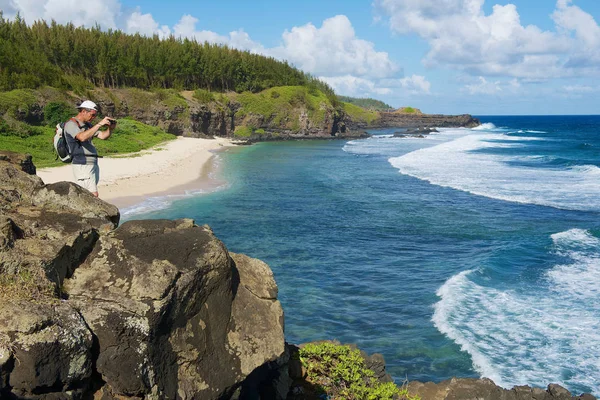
[[472, 252]]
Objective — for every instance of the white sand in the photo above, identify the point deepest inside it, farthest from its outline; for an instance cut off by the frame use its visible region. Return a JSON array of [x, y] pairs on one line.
[[169, 168]]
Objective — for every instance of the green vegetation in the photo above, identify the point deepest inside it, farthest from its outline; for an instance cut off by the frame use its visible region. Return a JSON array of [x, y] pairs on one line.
[[203, 96], [80, 59], [243, 131], [17, 104], [409, 110], [283, 105], [360, 114], [55, 113], [368, 103], [339, 372], [129, 137]]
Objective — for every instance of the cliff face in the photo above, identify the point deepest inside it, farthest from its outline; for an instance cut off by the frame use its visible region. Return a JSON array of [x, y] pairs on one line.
[[275, 114], [183, 114], [152, 309]]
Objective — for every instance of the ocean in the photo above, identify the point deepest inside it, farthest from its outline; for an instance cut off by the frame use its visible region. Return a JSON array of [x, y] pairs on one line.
[[469, 252]]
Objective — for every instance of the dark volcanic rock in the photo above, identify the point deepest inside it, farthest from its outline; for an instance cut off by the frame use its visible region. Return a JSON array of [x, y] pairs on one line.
[[153, 309], [485, 389], [419, 132], [416, 121], [174, 314], [50, 348], [391, 120]]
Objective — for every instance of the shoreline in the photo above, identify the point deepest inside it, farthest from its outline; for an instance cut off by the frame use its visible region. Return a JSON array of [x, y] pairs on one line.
[[169, 169]]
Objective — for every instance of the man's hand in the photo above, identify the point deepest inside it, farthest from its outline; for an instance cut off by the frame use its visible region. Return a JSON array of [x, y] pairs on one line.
[[106, 121]]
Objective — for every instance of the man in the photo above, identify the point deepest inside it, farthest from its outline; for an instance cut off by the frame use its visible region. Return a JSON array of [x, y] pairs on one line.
[[80, 133]]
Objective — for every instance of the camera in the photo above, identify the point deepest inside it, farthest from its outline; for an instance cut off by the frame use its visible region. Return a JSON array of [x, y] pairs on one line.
[[112, 120]]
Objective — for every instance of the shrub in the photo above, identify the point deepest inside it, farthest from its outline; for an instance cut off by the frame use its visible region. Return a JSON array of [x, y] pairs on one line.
[[339, 371], [203, 96], [299, 98], [243, 131], [12, 127], [57, 112], [17, 103]]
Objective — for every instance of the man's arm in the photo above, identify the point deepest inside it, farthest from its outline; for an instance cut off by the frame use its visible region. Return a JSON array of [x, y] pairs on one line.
[[88, 134], [106, 134]]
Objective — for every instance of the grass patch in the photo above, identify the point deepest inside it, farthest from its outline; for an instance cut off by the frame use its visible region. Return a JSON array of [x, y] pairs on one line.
[[171, 98], [17, 103], [243, 131], [26, 284], [284, 104], [203, 96], [409, 110], [141, 98], [339, 372], [129, 137], [360, 114]]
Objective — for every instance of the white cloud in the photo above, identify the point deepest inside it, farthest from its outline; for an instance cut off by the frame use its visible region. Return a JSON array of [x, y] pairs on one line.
[[145, 24], [579, 89], [334, 47], [574, 19], [88, 13], [462, 36], [484, 87], [415, 84], [349, 85]]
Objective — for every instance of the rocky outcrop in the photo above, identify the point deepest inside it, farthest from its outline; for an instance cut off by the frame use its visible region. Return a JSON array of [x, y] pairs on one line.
[[152, 309], [485, 389], [415, 132], [415, 121], [398, 120]]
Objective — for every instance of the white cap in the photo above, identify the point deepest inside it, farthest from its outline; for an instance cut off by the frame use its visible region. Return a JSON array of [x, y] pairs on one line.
[[90, 105]]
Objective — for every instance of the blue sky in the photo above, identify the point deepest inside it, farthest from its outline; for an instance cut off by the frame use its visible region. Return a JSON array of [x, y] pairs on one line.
[[443, 56]]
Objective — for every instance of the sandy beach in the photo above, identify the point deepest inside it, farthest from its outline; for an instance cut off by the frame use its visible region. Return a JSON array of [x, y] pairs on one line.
[[171, 168]]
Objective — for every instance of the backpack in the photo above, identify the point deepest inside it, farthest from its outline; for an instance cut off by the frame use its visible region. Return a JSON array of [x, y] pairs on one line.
[[61, 144]]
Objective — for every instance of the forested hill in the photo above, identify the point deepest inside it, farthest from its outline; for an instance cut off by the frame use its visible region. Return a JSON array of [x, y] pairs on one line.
[[368, 103], [64, 56]]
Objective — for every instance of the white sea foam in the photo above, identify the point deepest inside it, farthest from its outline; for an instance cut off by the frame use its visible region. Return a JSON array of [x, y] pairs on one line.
[[485, 127], [549, 333], [156, 203], [460, 164]]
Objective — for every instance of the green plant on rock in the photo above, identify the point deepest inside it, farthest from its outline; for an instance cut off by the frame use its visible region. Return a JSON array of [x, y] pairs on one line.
[[339, 372]]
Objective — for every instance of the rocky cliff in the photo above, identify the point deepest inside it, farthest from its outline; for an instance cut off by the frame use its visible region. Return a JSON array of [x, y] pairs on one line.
[[275, 114], [151, 309]]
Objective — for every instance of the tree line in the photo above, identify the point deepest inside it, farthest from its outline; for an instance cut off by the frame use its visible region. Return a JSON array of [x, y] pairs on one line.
[[368, 103], [74, 58]]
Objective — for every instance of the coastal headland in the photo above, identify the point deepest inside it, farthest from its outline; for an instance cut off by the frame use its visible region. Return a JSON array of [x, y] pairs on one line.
[[151, 309]]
